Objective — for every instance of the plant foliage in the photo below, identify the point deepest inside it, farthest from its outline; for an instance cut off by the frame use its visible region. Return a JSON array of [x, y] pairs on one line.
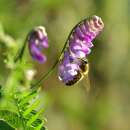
[[21, 107]]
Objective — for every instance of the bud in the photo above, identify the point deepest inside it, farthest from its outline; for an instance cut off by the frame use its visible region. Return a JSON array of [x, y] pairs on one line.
[[37, 41]]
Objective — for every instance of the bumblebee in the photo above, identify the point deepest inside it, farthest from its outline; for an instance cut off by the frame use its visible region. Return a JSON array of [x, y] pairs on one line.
[[81, 73]]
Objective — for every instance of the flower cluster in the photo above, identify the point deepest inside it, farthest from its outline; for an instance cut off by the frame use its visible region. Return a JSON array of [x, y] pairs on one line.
[[37, 41], [73, 65]]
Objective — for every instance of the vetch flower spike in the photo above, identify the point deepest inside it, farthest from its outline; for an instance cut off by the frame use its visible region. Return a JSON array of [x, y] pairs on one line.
[[73, 63], [37, 40]]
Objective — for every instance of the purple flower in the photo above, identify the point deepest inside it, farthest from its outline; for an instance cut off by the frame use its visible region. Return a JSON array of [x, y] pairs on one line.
[[81, 39], [68, 68], [37, 41], [73, 65]]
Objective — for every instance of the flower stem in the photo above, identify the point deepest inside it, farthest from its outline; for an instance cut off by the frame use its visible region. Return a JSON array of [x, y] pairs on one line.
[[36, 85], [20, 52], [44, 76]]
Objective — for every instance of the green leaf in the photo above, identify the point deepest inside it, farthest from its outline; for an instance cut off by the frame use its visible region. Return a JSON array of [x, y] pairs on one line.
[[28, 104], [11, 118], [15, 121], [5, 126], [27, 97]]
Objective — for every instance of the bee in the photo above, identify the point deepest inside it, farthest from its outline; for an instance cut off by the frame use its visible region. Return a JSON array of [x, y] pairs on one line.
[[83, 71], [72, 69]]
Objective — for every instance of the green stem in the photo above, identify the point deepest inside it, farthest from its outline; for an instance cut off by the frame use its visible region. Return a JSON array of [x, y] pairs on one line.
[[38, 83], [35, 85], [20, 52]]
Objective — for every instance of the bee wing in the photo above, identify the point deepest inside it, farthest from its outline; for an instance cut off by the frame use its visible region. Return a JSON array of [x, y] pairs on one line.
[[85, 83]]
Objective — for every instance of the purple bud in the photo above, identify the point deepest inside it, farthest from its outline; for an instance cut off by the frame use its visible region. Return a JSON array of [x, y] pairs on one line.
[[37, 41]]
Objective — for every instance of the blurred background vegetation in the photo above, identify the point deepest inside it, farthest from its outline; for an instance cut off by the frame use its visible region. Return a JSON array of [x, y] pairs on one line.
[[106, 105]]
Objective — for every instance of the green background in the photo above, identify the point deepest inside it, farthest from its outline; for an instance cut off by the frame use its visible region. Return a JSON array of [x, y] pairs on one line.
[[106, 105]]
